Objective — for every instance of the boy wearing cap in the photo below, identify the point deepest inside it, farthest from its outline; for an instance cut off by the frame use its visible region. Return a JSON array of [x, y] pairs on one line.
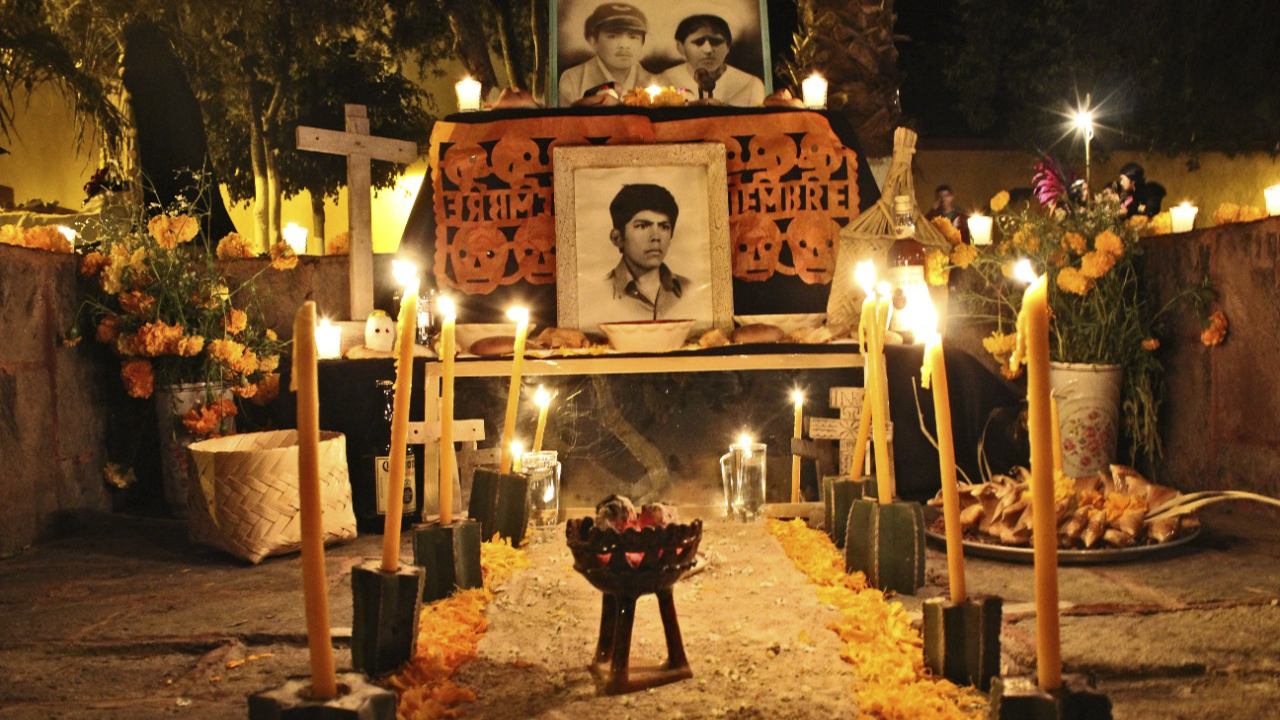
[[616, 32]]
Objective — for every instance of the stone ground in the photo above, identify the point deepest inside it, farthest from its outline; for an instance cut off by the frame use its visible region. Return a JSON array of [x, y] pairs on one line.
[[128, 620]]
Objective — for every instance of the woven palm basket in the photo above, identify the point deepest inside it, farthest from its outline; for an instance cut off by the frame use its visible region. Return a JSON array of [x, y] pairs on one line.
[[869, 236], [243, 493]]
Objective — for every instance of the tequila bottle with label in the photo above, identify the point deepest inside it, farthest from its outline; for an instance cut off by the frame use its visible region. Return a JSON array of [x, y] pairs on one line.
[[371, 470]]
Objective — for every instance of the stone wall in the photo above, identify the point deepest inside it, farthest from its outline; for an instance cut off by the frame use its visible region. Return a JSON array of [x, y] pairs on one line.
[[53, 412], [1221, 420]]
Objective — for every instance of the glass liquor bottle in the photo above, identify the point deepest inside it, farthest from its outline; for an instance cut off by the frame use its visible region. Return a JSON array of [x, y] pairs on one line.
[[905, 273], [371, 469]]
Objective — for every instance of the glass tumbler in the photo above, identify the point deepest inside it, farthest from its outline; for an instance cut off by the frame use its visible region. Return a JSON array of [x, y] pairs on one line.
[[742, 471], [543, 470]]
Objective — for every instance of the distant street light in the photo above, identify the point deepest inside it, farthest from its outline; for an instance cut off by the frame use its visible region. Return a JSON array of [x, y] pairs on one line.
[[1084, 123]]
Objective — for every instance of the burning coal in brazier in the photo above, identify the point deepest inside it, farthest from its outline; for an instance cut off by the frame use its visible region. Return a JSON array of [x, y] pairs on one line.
[[626, 555]]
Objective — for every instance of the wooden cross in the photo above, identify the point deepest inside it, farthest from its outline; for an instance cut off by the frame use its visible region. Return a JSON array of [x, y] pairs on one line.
[[848, 400], [427, 434], [360, 148]]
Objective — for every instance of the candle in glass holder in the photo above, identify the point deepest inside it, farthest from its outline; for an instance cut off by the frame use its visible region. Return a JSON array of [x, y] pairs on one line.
[[468, 94], [814, 90], [328, 340], [542, 399], [1272, 194], [296, 237], [521, 316], [1184, 217], [979, 229]]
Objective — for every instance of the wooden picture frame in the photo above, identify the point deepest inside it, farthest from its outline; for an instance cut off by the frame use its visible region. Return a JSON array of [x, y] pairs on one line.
[[593, 185], [658, 58]]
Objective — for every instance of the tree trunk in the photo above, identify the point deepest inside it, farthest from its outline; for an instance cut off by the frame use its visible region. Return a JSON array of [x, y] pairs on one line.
[[470, 44], [541, 30], [275, 194], [317, 219], [510, 46], [261, 198]]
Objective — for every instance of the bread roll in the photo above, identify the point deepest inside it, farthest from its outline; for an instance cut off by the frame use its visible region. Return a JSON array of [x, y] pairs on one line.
[[554, 337], [494, 346], [758, 333]]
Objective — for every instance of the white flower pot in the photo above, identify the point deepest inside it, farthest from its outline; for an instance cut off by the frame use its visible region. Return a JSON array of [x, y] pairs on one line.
[[1088, 414], [172, 402]]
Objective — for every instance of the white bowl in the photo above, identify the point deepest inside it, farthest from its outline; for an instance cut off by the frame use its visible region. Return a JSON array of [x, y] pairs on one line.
[[788, 323], [469, 334], [647, 335]]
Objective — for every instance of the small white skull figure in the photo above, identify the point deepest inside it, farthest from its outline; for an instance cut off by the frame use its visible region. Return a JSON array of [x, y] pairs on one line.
[[379, 332]]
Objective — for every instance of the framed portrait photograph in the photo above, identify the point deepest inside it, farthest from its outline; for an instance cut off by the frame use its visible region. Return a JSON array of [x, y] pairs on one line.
[[716, 49], [642, 234]]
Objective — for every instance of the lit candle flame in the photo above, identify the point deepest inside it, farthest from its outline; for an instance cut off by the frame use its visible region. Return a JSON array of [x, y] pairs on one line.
[[68, 233], [446, 307], [797, 397], [884, 289], [744, 440], [653, 91], [924, 317], [517, 448], [405, 272], [542, 398], [324, 322], [865, 275], [1023, 271], [518, 314]]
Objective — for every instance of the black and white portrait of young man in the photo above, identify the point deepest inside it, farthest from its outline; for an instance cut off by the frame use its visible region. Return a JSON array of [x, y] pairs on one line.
[[643, 244]]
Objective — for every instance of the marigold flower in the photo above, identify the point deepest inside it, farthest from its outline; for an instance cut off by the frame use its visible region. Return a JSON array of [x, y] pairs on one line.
[[283, 257], [1161, 224], [1109, 242], [234, 356], [935, 268], [46, 237], [245, 391], [11, 235], [92, 263], [1096, 264], [157, 338], [190, 345], [1138, 222], [1026, 238], [108, 329], [1075, 242], [948, 230], [206, 420], [669, 97], [963, 255], [234, 247], [235, 322], [1000, 200], [1073, 281], [339, 244], [1216, 331], [1151, 344], [136, 303], [269, 363], [271, 334], [268, 388], [139, 378], [169, 230]]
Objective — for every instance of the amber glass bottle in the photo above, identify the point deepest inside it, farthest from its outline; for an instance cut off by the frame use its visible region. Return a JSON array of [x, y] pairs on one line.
[[906, 260]]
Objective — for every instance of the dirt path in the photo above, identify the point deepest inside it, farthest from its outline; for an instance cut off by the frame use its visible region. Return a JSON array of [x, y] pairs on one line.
[[745, 620]]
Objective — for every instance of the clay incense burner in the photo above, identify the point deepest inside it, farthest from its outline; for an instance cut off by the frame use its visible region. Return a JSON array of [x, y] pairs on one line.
[[625, 565]]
